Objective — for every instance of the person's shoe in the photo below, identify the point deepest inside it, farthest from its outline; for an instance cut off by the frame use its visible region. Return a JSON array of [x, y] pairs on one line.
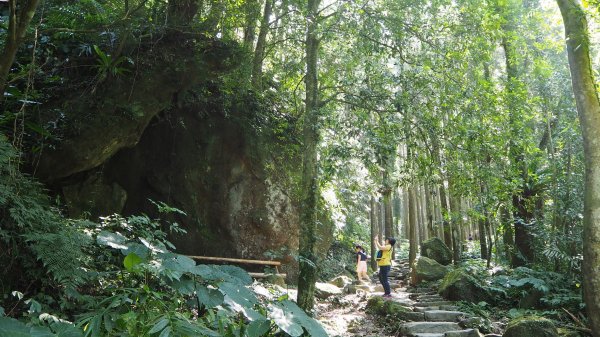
[[387, 296]]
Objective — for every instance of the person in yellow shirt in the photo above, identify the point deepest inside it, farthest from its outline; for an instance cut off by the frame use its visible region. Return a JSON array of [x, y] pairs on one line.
[[385, 263]]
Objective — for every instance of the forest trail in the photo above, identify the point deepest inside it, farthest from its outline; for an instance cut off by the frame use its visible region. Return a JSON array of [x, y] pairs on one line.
[[430, 315]]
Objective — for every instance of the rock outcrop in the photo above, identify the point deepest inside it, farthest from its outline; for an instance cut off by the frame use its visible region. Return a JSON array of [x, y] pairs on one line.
[[531, 326], [429, 270], [437, 250], [459, 285]]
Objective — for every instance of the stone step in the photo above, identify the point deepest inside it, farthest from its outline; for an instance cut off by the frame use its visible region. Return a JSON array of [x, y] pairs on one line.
[[459, 333], [423, 309], [449, 307], [464, 333], [417, 295], [443, 315], [412, 328], [429, 298], [433, 303]]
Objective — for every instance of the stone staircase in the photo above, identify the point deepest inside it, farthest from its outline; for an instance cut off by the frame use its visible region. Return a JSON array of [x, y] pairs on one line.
[[432, 316]]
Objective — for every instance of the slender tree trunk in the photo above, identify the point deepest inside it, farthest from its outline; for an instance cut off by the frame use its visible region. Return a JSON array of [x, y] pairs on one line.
[[310, 185], [261, 43], [482, 223], [252, 12], [386, 195], [374, 232], [18, 21], [430, 211], [508, 235], [412, 226], [406, 206], [456, 220], [588, 107]]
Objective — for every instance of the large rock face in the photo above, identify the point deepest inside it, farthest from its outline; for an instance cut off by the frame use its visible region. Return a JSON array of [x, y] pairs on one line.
[[217, 171], [437, 250], [459, 285], [530, 326], [429, 270]]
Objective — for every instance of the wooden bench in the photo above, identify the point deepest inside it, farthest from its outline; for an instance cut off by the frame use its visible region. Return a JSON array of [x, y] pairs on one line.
[[275, 264]]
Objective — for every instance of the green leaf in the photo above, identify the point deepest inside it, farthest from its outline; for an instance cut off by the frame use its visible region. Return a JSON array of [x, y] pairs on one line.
[[236, 294], [166, 332], [113, 240], [258, 328], [161, 324], [285, 321], [13, 328], [41, 331], [210, 298], [131, 261], [66, 330], [287, 312]]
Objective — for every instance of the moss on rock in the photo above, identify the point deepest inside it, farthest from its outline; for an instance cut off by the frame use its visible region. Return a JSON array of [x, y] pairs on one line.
[[459, 285], [531, 326], [437, 250], [429, 270]]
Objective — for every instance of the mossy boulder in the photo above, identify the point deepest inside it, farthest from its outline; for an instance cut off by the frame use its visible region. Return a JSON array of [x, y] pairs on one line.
[[378, 306], [531, 326], [437, 250], [375, 305], [341, 281], [429, 270], [459, 285]]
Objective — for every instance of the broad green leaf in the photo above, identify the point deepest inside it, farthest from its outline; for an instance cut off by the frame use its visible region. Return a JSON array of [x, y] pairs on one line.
[[258, 328], [161, 324], [236, 294], [41, 331], [210, 298], [10, 327], [66, 330], [131, 261], [166, 332], [285, 322], [113, 240]]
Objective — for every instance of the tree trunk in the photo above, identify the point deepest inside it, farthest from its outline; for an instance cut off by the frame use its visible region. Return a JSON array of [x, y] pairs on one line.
[[17, 27], [252, 12], [386, 193], [522, 215], [310, 185], [446, 226], [412, 227], [374, 232], [261, 43], [456, 220], [588, 108], [482, 223]]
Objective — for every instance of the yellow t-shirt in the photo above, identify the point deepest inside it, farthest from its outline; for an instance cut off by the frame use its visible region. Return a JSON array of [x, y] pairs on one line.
[[386, 256]]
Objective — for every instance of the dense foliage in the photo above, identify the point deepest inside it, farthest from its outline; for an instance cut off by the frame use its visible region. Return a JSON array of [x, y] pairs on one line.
[[453, 118]]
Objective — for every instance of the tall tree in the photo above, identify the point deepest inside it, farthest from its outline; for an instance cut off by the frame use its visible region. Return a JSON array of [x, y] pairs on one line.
[[588, 107], [310, 185], [261, 45]]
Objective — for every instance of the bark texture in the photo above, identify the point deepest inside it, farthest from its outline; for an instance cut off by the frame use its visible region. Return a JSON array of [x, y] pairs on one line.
[[310, 187], [588, 107]]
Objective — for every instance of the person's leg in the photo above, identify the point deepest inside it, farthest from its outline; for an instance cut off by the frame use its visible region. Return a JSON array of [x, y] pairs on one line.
[[380, 274], [384, 271]]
